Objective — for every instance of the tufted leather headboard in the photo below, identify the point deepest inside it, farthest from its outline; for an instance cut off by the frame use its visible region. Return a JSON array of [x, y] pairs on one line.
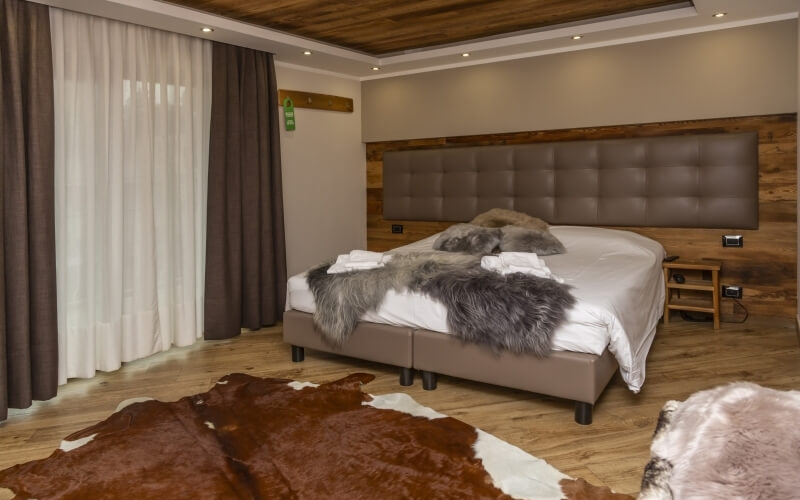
[[702, 180]]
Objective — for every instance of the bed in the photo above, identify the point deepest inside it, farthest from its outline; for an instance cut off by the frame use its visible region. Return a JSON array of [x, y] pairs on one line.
[[699, 180], [616, 278]]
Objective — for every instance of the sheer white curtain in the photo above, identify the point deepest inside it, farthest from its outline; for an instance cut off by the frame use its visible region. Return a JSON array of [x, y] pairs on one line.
[[132, 113]]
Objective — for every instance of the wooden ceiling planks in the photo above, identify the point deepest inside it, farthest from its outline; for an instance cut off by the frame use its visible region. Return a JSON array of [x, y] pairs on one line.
[[381, 27]]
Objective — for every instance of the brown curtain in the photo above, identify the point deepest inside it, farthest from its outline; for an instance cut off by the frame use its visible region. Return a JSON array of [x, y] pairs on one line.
[[245, 248], [28, 323]]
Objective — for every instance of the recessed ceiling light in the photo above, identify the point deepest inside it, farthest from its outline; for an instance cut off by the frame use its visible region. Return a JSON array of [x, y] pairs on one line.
[[720, 14], [375, 68], [465, 54], [577, 37], [307, 52], [206, 29]]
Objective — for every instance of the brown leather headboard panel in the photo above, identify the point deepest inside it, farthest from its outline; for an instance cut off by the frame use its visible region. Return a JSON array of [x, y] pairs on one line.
[[703, 180]]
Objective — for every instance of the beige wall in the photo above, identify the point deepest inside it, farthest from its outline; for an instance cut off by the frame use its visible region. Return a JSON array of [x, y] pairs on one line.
[[324, 185], [735, 72]]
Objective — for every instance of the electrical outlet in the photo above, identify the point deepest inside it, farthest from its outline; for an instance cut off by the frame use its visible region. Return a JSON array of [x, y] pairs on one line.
[[732, 240], [397, 228], [734, 292]]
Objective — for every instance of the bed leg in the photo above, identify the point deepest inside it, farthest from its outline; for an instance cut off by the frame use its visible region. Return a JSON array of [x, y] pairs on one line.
[[298, 354], [406, 376], [428, 380], [583, 413]]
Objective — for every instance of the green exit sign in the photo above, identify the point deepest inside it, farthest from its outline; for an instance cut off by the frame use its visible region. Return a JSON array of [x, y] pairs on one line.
[[288, 113]]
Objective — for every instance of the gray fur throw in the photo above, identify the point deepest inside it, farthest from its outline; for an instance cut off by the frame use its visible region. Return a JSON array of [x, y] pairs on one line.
[[499, 217], [514, 312], [469, 239], [477, 240], [735, 441], [520, 239]]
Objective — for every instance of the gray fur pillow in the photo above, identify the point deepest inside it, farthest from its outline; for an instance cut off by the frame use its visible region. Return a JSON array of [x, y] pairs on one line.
[[470, 239], [520, 239], [500, 217]]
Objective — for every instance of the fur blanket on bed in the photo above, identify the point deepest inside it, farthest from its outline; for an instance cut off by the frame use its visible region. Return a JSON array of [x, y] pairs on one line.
[[514, 312]]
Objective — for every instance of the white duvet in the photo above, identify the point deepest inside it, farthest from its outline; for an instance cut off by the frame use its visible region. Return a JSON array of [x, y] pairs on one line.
[[616, 278]]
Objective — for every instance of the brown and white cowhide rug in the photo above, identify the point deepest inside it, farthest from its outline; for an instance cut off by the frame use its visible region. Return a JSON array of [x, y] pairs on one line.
[[738, 441], [273, 438]]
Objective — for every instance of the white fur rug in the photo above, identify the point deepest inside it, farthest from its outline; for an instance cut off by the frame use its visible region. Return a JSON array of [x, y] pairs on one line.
[[739, 441]]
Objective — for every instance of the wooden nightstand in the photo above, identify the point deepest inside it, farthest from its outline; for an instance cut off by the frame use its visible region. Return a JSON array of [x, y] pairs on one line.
[[692, 270]]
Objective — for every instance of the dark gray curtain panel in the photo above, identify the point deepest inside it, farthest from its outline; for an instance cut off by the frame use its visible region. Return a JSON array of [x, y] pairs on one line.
[[28, 323], [245, 245]]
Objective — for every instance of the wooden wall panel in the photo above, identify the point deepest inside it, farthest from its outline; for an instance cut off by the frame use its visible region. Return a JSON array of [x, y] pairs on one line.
[[767, 264], [312, 100]]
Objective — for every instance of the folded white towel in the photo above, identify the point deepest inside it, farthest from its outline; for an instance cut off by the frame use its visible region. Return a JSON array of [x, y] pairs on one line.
[[521, 259], [340, 267], [492, 263], [337, 268], [518, 262], [345, 262], [365, 256]]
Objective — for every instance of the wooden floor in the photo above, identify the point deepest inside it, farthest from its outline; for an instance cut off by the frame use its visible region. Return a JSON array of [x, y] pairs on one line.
[[686, 357]]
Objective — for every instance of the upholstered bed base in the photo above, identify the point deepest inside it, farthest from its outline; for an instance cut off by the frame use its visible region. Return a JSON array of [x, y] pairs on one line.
[[391, 345], [570, 375]]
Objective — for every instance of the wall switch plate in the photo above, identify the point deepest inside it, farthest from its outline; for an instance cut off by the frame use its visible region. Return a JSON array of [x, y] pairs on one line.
[[734, 292], [732, 240], [397, 228]]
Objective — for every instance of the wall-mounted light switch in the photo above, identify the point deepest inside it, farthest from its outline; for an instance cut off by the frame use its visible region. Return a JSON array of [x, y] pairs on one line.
[[733, 240], [397, 228]]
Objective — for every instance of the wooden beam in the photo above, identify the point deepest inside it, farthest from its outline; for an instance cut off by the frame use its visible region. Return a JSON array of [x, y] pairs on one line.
[[317, 101]]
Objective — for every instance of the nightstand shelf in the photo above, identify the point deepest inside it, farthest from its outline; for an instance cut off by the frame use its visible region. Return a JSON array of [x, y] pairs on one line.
[[708, 304]]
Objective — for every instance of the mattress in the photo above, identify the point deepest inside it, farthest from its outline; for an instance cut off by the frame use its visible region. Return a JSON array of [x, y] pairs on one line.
[[616, 278]]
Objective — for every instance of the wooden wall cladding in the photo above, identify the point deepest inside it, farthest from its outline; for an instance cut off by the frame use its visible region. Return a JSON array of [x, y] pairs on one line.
[[313, 100], [766, 267], [387, 26]]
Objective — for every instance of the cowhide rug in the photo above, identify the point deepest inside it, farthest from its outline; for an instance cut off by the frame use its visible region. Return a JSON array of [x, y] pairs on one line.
[[273, 438]]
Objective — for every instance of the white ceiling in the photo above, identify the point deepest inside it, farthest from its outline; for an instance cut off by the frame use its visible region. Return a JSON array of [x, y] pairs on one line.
[[288, 49]]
